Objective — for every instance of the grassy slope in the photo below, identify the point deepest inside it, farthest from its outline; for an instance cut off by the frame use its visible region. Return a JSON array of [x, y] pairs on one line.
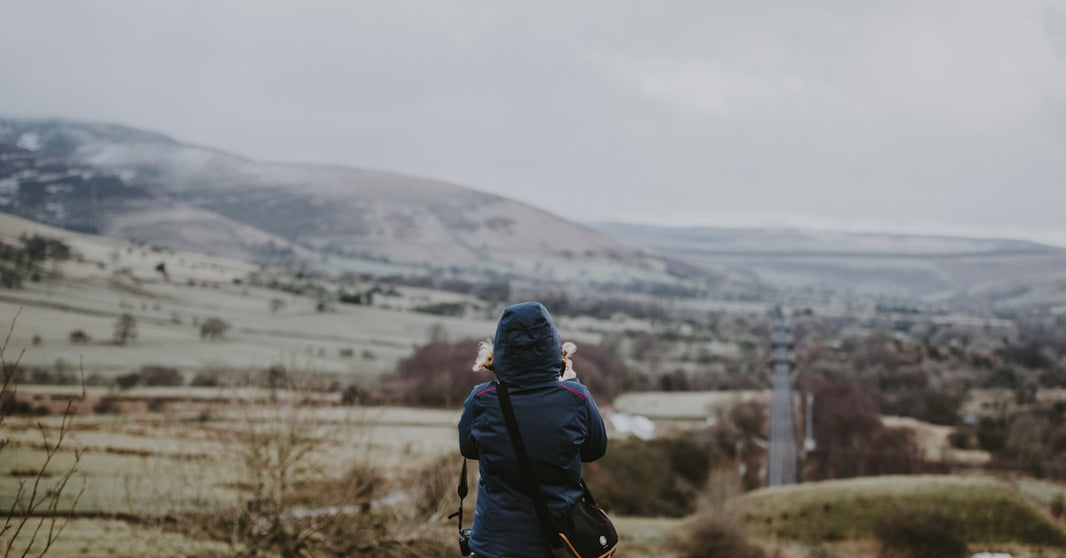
[[152, 463], [987, 510], [107, 278]]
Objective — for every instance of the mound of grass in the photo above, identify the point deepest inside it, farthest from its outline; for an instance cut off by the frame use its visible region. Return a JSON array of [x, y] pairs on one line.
[[984, 509]]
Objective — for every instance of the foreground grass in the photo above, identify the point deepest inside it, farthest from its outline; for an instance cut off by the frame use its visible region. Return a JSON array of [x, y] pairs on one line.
[[987, 510], [647, 537], [118, 539], [179, 460]]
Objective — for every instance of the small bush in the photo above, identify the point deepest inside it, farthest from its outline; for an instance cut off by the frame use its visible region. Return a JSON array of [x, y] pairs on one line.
[[919, 534], [435, 375], [213, 329], [717, 535], [10, 405], [107, 405], [127, 381], [356, 395], [204, 379], [657, 478], [456, 309], [161, 376], [928, 406], [962, 439]]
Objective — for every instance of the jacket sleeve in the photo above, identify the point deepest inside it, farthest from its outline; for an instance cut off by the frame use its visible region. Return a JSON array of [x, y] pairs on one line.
[[595, 445], [467, 443]]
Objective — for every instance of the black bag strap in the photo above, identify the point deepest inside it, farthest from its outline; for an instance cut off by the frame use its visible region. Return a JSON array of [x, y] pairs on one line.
[[461, 490], [525, 466]]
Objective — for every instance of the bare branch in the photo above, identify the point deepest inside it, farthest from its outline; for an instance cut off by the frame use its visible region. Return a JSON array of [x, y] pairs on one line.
[[34, 507]]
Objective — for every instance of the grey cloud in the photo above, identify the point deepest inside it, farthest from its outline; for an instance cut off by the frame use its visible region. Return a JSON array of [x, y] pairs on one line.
[[903, 115]]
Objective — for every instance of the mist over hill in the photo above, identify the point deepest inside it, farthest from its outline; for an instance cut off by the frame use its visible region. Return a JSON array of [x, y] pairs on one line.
[[341, 219], [976, 274], [131, 184]]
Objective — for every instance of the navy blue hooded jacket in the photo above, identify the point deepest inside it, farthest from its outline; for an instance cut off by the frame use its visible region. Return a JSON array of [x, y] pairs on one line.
[[560, 425]]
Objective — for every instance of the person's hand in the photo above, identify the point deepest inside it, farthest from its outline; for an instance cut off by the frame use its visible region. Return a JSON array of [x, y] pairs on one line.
[[568, 372]]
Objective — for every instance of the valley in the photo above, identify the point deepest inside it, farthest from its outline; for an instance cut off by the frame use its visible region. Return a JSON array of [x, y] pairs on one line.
[[230, 313]]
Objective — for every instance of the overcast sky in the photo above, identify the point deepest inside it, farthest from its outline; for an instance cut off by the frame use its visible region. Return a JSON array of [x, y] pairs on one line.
[[905, 116]]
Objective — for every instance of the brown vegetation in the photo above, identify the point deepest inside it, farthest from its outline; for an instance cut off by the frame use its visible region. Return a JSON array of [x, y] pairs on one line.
[[919, 534], [435, 375], [439, 374], [852, 441], [290, 507]]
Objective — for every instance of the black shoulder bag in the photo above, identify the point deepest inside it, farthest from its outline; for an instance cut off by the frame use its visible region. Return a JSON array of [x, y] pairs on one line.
[[586, 531]]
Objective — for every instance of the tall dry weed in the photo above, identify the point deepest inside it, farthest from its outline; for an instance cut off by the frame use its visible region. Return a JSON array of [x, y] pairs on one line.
[[717, 530], [284, 442], [37, 515]]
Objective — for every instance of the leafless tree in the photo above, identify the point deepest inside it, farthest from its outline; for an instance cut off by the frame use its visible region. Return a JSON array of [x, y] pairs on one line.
[[125, 328], [213, 329], [289, 505]]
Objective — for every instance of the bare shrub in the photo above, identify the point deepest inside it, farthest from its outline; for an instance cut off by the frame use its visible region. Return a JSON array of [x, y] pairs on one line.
[[107, 405], [660, 477], [718, 530], [1034, 441], [125, 329], [128, 381], [437, 375], [213, 329], [154, 375], [716, 535], [851, 439], [354, 394], [435, 489], [290, 506], [273, 446], [204, 378]]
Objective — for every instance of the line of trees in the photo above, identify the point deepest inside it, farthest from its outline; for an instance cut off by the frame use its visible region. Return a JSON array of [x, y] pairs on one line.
[[26, 259]]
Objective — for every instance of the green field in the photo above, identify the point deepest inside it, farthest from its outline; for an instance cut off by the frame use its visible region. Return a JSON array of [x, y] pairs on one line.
[[987, 510], [185, 459]]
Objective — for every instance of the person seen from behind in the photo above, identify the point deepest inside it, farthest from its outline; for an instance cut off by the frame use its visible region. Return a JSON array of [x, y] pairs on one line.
[[559, 423]]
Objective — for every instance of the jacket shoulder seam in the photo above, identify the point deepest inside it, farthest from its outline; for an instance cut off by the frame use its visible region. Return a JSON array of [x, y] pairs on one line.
[[572, 390]]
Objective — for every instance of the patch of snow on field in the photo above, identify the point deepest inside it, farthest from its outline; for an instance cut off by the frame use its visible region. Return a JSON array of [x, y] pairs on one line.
[[640, 426]]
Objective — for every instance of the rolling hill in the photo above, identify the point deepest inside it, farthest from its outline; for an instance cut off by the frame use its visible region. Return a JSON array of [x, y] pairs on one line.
[[985, 275], [203, 200], [130, 184]]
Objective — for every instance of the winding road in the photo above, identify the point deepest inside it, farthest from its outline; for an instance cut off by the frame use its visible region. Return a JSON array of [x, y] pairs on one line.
[[782, 467]]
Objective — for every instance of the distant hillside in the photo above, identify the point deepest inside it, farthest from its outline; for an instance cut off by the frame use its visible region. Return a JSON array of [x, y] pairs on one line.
[[202, 198], [987, 274], [58, 192], [78, 197]]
